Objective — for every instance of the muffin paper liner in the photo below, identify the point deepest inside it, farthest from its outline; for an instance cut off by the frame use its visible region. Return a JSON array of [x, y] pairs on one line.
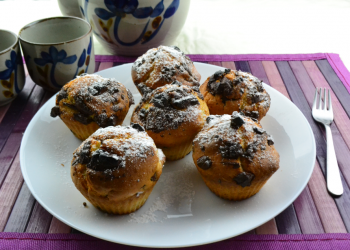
[[126, 206], [234, 193], [178, 152], [81, 131]]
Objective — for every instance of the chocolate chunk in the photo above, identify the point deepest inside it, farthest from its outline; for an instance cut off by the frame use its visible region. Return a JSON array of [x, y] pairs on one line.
[[82, 118], [250, 150], [93, 91], [252, 114], [258, 130], [244, 179], [204, 162], [231, 150], [61, 95], [85, 153], [83, 156], [102, 160], [211, 117], [259, 86], [227, 71], [103, 120], [255, 98], [175, 48], [81, 106], [144, 90], [202, 148], [154, 177], [270, 140], [218, 74], [195, 88], [236, 120], [184, 102], [162, 119], [143, 114], [238, 80], [101, 87], [161, 100], [131, 98], [114, 89], [176, 83], [55, 111], [225, 87], [138, 127], [69, 105]]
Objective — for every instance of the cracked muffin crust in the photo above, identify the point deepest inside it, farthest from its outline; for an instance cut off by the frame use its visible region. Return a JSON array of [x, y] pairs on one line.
[[161, 66], [90, 102], [231, 90], [116, 168], [172, 115], [235, 156]]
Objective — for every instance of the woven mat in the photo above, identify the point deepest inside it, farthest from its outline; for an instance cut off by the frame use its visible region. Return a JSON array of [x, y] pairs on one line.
[[313, 212]]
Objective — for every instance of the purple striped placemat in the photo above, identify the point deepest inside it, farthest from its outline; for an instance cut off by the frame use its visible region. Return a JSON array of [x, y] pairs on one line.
[[314, 220]]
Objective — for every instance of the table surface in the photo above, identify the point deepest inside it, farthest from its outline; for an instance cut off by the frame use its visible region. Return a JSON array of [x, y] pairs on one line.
[[212, 27]]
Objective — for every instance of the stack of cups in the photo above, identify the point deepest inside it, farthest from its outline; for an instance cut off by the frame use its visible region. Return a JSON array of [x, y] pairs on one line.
[[56, 50]]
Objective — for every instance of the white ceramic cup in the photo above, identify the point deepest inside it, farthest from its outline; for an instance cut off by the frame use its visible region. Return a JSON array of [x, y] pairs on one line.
[[57, 49], [12, 76], [131, 27]]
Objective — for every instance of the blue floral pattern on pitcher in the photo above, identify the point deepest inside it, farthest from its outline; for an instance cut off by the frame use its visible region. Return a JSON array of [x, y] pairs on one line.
[[118, 9]]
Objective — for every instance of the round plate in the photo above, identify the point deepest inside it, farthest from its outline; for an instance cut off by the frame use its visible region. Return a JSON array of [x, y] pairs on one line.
[[181, 211]]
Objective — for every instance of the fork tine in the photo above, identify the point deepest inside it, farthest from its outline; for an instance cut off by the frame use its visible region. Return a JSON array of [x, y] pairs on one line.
[[329, 101], [324, 99], [320, 100], [315, 100]]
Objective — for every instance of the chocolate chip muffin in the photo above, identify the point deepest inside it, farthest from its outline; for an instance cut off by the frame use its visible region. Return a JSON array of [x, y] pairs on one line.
[[172, 115], [161, 66], [235, 156], [116, 168], [230, 90], [90, 102]]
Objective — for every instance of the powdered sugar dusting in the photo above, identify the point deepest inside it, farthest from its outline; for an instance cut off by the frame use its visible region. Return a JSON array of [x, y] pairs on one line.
[[175, 199], [132, 142], [162, 63]]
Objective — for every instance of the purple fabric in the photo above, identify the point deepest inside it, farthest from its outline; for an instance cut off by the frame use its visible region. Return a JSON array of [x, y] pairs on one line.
[[340, 69], [334, 60], [80, 241], [227, 58]]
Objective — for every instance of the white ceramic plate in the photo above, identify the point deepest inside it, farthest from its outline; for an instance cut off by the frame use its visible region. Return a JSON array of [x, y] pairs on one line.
[[181, 211]]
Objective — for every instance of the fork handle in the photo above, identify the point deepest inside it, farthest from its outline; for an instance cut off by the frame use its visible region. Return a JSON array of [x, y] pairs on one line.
[[334, 183]]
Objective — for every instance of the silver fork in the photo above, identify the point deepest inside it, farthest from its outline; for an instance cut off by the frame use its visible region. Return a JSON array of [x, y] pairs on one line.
[[325, 116]]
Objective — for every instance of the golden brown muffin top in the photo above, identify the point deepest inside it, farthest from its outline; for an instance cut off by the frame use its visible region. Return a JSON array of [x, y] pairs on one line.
[[234, 85], [114, 148], [94, 98], [238, 142], [167, 107], [163, 65]]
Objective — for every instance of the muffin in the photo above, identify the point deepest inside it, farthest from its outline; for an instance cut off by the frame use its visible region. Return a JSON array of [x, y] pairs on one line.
[[161, 66], [172, 115], [230, 90], [116, 168], [90, 102], [235, 156]]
